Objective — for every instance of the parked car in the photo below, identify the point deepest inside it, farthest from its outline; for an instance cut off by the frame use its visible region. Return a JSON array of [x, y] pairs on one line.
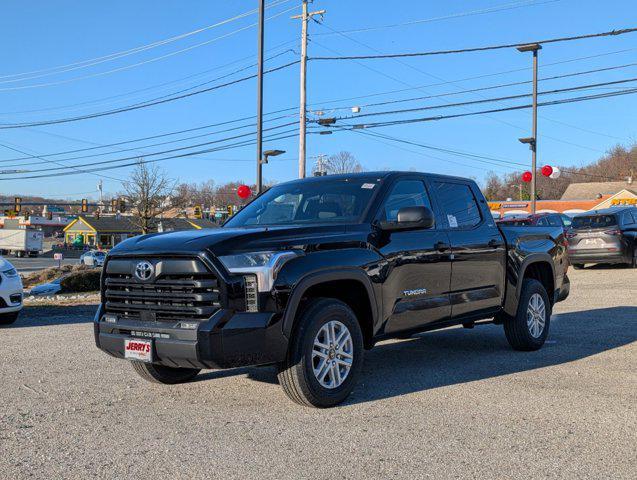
[[314, 271], [10, 293], [539, 219], [604, 236], [49, 288], [93, 258]]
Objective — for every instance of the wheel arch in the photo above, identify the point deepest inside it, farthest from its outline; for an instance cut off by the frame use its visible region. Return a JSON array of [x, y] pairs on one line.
[[538, 266], [348, 285]]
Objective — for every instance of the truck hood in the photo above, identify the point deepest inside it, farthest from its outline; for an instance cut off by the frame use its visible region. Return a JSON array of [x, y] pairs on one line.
[[223, 241]]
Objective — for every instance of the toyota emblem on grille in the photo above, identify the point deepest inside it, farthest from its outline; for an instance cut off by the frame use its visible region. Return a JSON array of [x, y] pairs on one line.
[[144, 270]]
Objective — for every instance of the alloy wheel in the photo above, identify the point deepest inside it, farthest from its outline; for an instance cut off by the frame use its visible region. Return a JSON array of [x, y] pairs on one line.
[[536, 315], [332, 354]]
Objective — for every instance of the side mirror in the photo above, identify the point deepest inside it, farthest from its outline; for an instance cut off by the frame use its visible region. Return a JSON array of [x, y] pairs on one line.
[[410, 218]]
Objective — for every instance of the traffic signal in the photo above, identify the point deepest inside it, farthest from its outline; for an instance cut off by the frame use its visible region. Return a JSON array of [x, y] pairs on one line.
[[49, 215], [122, 205], [198, 212], [113, 205], [17, 207], [229, 210], [26, 215], [84, 205]]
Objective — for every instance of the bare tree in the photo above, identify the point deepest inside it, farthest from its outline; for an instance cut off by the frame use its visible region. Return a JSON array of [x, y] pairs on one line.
[[148, 193], [343, 162]]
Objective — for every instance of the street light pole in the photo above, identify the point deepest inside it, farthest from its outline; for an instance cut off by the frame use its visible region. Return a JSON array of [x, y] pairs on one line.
[[260, 97], [533, 47]]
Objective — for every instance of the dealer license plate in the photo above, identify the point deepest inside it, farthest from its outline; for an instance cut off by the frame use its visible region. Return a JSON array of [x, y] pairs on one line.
[[136, 349]]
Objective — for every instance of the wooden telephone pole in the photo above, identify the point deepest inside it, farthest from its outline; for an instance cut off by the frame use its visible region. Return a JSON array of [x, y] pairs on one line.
[[305, 16]]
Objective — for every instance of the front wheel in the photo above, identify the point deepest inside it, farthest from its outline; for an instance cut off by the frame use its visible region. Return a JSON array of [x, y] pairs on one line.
[[325, 355], [162, 374], [528, 329]]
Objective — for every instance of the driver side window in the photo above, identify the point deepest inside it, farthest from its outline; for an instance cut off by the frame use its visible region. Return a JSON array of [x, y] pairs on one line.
[[404, 193]]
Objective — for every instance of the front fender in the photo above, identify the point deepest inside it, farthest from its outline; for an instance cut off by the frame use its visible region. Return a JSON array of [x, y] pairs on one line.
[[323, 276], [515, 274]]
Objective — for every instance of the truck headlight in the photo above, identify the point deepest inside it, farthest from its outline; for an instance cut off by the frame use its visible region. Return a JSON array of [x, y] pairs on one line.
[[264, 265]]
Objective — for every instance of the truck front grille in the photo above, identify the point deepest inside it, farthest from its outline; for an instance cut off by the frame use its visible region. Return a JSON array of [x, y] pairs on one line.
[[179, 289]]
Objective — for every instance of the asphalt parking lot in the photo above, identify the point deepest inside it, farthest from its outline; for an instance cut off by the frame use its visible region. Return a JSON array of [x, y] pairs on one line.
[[27, 264], [449, 404]]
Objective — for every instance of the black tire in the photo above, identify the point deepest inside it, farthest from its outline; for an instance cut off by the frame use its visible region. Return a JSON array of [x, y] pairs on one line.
[[517, 329], [162, 374], [296, 373], [8, 318], [578, 266]]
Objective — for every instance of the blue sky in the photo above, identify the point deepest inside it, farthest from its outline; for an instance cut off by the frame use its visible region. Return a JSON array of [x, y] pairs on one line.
[[39, 35]]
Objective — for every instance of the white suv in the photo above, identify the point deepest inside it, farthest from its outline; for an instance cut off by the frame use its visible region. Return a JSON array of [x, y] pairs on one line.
[[10, 293]]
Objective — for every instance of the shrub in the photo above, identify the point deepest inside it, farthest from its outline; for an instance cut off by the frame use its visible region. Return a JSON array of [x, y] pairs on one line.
[[81, 281]]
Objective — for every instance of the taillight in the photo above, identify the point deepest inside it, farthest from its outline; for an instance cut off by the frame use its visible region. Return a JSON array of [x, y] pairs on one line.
[[613, 232]]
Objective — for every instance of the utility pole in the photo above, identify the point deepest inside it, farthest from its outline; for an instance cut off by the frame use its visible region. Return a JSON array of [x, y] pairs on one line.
[[305, 16], [533, 47], [260, 98]]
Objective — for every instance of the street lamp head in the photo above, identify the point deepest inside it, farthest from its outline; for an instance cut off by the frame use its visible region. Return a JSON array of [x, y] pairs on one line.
[[531, 47], [273, 153], [529, 140]]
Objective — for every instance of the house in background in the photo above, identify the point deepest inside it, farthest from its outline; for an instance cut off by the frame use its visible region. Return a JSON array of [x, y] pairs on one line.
[[577, 198], [108, 231], [105, 232]]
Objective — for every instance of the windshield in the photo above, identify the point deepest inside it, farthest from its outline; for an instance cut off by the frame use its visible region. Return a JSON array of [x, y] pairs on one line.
[[324, 201], [594, 221]]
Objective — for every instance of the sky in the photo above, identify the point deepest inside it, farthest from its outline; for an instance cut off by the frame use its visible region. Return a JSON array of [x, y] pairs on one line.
[[66, 59]]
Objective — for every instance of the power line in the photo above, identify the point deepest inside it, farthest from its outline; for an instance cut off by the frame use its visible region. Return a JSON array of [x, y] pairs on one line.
[[188, 147], [496, 8], [143, 161], [486, 100], [144, 62], [158, 86], [159, 100], [490, 87], [113, 56], [480, 49], [495, 110]]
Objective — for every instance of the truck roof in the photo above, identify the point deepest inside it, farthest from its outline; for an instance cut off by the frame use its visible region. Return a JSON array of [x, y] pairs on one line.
[[380, 175]]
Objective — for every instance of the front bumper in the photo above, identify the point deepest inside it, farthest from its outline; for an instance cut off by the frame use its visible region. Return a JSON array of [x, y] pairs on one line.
[[228, 339]]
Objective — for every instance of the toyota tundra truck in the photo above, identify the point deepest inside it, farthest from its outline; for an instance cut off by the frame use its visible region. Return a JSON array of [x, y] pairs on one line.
[[313, 272]]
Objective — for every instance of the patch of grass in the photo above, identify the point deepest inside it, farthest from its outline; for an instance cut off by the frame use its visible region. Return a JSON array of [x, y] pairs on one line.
[[43, 276], [87, 280]]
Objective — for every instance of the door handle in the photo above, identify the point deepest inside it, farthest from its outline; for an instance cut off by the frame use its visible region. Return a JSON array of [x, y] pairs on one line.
[[493, 243], [442, 246]]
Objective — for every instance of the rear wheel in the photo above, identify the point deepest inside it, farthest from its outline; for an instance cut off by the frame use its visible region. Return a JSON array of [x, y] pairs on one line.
[[8, 318], [578, 266], [163, 374], [325, 355], [528, 329]]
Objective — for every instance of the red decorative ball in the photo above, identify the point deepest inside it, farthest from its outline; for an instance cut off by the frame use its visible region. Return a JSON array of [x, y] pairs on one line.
[[527, 177], [244, 191], [547, 170]]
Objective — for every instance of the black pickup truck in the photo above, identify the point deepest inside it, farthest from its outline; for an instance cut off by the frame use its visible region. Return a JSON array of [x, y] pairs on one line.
[[313, 272]]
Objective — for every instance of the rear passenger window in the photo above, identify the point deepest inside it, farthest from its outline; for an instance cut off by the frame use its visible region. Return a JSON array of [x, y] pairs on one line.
[[554, 221], [458, 204], [405, 193], [542, 222], [627, 218]]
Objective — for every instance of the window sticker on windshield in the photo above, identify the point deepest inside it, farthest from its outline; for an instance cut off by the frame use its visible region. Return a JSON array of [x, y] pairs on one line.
[[453, 222], [368, 185]]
